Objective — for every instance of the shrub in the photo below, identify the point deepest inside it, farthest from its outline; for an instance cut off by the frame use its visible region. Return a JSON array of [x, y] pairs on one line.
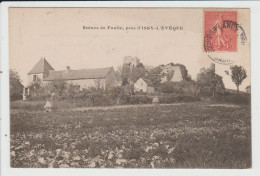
[[233, 98], [123, 99], [135, 99], [16, 87], [170, 87], [184, 87], [114, 92], [210, 84], [145, 100], [172, 98], [27, 105]]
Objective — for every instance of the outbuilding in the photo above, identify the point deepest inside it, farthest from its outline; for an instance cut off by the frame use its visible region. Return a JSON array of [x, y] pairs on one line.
[[144, 85]]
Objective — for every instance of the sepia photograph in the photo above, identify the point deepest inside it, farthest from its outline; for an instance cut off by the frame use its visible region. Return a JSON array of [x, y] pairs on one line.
[[130, 88]]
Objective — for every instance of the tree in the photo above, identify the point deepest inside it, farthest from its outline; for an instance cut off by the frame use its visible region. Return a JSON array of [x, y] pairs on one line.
[[155, 76], [128, 89], [36, 90], [148, 67], [16, 87], [94, 93], [125, 74], [238, 74], [57, 87], [118, 73], [138, 72], [71, 91], [131, 74], [210, 83]]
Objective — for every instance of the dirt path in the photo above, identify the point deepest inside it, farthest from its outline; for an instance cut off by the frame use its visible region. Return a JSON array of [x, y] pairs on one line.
[[224, 105], [119, 107], [144, 105], [104, 108]]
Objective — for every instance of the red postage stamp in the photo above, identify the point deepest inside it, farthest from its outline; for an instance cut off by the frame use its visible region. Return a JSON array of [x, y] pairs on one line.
[[220, 31]]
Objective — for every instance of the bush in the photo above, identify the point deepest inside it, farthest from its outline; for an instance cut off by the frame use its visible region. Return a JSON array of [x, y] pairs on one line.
[[172, 98], [135, 99], [210, 84], [232, 98], [171, 87], [184, 87], [140, 99], [27, 105], [16, 87], [114, 91], [145, 100]]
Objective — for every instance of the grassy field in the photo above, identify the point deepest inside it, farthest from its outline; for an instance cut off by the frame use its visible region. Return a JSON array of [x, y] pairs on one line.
[[193, 135]]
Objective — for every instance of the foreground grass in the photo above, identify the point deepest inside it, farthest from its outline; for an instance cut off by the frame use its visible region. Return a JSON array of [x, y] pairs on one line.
[[164, 136]]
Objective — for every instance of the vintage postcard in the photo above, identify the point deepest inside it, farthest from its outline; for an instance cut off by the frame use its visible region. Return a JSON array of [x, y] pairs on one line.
[[130, 88]]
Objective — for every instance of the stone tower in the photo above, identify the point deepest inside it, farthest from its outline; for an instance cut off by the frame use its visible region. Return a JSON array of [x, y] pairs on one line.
[[132, 61], [212, 67]]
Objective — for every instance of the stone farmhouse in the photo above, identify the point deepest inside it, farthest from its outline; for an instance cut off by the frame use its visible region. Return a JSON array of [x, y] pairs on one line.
[[144, 85], [44, 73]]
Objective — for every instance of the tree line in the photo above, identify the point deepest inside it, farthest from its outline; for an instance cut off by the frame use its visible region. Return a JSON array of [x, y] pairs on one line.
[[207, 84]]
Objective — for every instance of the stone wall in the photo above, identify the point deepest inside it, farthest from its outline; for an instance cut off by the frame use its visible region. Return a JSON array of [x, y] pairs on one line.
[[38, 75], [87, 83]]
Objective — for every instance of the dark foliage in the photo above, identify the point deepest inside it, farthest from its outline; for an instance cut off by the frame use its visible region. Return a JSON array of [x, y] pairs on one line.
[[16, 87], [238, 74], [232, 98], [173, 98], [155, 76], [183, 87], [210, 84]]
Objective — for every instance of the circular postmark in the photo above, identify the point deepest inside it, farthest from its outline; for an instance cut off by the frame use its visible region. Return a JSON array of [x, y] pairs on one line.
[[222, 36], [221, 60]]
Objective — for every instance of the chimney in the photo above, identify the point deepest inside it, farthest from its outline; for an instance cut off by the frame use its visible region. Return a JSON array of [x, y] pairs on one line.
[[68, 69]]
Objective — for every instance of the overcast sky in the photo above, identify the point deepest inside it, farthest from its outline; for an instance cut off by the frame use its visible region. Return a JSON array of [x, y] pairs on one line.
[[58, 35]]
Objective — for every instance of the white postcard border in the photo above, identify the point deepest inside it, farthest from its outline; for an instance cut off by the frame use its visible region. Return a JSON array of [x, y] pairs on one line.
[[4, 89]]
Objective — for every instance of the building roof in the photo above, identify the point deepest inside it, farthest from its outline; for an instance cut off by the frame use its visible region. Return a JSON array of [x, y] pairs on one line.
[[98, 73], [42, 66]]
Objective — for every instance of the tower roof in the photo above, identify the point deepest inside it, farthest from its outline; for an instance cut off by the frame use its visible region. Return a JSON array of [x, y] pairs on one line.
[[42, 66]]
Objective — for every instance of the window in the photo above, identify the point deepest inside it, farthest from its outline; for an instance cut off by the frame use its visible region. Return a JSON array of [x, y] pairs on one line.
[[34, 77]]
